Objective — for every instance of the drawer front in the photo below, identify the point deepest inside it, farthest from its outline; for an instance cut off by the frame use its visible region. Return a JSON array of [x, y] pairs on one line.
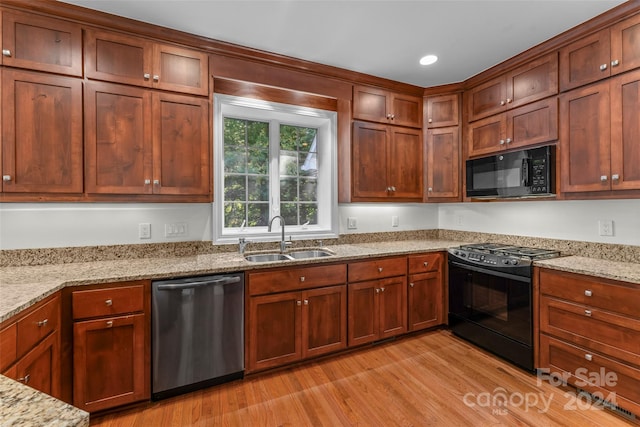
[[108, 301], [591, 292], [424, 263], [37, 325], [372, 270], [598, 330], [8, 346], [592, 372], [296, 278]]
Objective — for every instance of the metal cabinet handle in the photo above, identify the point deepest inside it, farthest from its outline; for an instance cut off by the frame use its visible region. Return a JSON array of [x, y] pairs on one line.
[[393, 188], [24, 379], [587, 313], [43, 323], [502, 102], [508, 141], [156, 78], [381, 289], [109, 323], [502, 142], [298, 303], [109, 302], [147, 181], [156, 182], [603, 67], [306, 302], [588, 293], [6, 52], [411, 285], [302, 278], [430, 189], [430, 120], [603, 178], [6, 178], [589, 357], [509, 100], [426, 263], [615, 63], [615, 177], [393, 117], [377, 290], [146, 76], [379, 269]]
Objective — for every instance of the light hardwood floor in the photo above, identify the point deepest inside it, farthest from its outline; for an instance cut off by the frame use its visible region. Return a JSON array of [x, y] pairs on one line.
[[433, 379]]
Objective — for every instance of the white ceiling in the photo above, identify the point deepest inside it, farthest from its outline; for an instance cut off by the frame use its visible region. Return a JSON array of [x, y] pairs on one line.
[[384, 38]]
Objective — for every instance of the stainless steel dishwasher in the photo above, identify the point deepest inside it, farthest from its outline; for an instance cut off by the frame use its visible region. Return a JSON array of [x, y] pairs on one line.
[[197, 332]]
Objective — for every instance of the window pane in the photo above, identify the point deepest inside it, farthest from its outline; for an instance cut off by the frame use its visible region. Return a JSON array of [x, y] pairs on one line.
[[234, 214], [258, 161], [258, 188], [289, 137], [309, 212], [288, 163], [308, 164], [258, 134], [290, 213], [234, 132], [308, 189], [289, 190], [235, 161], [235, 188], [258, 214]]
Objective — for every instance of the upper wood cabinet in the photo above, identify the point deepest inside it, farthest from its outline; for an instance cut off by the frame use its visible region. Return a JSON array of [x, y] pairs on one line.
[[442, 111], [608, 52], [443, 164], [143, 142], [41, 43], [138, 61], [387, 163], [378, 105], [41, 133], [535, 80], [521, 127], [599, 133]]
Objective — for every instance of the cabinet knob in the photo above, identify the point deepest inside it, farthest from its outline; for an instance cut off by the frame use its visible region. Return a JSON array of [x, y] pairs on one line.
[[109, 323], [603, 178], [393, 116], [24, 379], [156, 78], [615, 63], [587, 313], [588, 293], [109, 302], [298, 303], [306, 302], [426, 264], [147, 181], [146, 76], [377, 290], [430, 189], [43, 323], [393, 188], [302, 278], [502, 142], [379, 269], [589, 357], [156, 182], [381, 289], [411, 285], [6, 52], [508, 141], [6, 178], [502, 102], [430, 120], [603, 67], [509, 100], [615, 177]]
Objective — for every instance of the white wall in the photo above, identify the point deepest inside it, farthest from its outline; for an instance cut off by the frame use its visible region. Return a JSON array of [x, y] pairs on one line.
[[44, 225]]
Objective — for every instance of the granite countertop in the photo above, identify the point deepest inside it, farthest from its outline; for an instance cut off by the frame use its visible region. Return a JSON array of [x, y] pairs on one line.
[[625, 271], [25, 407]]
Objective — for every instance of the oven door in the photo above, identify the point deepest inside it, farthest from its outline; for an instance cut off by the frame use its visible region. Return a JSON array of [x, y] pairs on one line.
[[493, 310]]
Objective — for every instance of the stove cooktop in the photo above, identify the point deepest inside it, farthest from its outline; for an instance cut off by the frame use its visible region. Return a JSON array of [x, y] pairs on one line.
[[511, 251]]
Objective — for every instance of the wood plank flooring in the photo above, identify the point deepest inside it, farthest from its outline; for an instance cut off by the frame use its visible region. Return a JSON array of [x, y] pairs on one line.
[[432, 379]]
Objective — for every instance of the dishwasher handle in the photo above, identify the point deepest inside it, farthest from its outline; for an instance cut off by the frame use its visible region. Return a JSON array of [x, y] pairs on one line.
[[227, 280]]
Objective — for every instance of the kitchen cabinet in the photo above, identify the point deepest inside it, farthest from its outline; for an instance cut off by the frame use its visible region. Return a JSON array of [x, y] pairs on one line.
[[387, 163], [531, 82], [599, 133], [443, 164], [111, 345], [592, 326], [442, 111], [377, 300], [41, 43], [138, 141], [31, 347], [41, 133], [383, 106], [532, 124], [608, 52], [295, 314], [121, 58], [425, 293]]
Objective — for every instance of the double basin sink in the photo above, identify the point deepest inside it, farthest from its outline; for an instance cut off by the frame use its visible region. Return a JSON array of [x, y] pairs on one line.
[[289, 256]]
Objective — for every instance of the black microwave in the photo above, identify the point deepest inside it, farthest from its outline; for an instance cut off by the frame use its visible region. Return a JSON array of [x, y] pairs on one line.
[[514, 174]]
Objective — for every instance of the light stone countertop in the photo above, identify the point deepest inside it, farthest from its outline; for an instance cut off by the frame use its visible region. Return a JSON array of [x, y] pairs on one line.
[[25, 407], [615, 270]]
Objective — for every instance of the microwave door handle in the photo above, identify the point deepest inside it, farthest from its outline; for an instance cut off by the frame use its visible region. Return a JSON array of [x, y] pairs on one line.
[[525, 173]]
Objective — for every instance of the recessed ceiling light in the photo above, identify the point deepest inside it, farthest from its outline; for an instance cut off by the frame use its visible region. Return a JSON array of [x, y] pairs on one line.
[[428, 60]]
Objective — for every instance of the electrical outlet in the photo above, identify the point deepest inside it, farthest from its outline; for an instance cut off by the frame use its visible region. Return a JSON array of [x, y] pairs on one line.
[[395, 221], [457, 218], [144, 230], [175, 229], [605, 227], [352, 223]]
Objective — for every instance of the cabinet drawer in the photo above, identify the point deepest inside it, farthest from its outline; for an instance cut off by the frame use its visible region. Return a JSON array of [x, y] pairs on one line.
[[371, 270], [107, 302], [602, 331], [37, 325], [591, 292], [296, 278], [424, 263], [8, 346], [592, 372]]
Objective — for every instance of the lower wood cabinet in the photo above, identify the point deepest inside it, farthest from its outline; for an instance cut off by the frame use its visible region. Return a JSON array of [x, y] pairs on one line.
[[111, 345], [425, 292]]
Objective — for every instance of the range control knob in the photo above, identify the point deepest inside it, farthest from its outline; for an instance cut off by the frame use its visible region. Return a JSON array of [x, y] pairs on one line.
[[505, 261], [514, 262]]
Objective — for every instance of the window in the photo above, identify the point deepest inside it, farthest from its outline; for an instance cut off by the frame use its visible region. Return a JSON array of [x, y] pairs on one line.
[[273, 159]]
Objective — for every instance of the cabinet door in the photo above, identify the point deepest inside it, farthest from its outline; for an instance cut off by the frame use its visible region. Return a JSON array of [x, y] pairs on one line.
[[369, 166], [533, 81], [625, 132], [486, 99], [118, 58], [392, 307], [486, 136], [625, 54], [41, 133], [118, 151], [40, 368], [363, 312], [275, 330], [425, 303], [405, 110], [180, 70], [585, 61], [405, 167], [443, 163], [110, 367], [181, 143], [442, 111], [533, 124], [370, 104], [324, 324], [585, 139], [40, 43]]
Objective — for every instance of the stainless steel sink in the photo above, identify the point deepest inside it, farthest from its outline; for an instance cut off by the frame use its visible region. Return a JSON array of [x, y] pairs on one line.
[[267, 257], [313, 253], [300, 254]]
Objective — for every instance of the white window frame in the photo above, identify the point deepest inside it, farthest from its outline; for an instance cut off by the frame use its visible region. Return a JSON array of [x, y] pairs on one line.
[[254, 109]]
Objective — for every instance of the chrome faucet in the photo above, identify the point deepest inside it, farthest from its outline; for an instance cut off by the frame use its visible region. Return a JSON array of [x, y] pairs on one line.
[[243, 244], [283, 243]]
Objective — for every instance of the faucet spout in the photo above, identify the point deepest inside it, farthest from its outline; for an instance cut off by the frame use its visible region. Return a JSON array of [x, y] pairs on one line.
[[283, 243]]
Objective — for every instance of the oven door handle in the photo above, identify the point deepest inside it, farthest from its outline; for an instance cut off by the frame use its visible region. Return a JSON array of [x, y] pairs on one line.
[[491, 272]]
